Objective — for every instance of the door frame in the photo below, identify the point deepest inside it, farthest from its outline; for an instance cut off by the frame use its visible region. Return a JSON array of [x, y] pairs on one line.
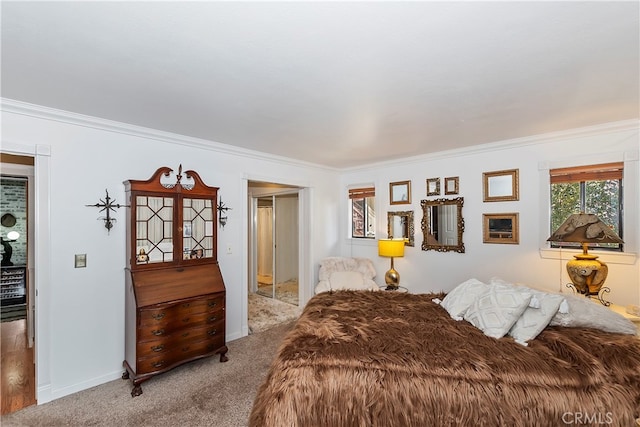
[[305, 221], [41, 261]]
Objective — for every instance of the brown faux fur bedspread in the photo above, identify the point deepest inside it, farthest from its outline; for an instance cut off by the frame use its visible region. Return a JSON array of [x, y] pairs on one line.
[[358, 358]]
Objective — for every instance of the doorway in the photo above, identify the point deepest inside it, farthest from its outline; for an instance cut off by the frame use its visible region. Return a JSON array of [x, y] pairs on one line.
[[17, 299], [274, 255]]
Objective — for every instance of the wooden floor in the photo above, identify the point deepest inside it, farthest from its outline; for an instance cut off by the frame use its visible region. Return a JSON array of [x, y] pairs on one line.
[[17, 386]]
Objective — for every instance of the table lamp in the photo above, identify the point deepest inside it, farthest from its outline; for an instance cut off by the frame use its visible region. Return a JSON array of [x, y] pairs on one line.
[[391, 248], [587, 274]]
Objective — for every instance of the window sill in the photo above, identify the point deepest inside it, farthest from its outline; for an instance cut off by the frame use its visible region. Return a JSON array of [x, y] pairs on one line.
[[625, 258]]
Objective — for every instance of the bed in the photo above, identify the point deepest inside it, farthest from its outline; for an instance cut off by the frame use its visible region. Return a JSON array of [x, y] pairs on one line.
[[360, 358]]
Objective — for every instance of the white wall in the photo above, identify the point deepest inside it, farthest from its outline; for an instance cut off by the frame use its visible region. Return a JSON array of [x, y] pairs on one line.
[[80, 327], [529, 262], [80, 341]]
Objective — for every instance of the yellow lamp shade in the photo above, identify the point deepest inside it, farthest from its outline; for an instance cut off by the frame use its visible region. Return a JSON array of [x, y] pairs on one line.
[[391, 248]]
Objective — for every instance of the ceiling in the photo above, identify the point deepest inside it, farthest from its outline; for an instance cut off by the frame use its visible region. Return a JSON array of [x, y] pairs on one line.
[[334, 83]]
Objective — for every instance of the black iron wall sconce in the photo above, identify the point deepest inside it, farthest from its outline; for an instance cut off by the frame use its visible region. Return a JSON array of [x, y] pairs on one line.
[[107, 205], [222, 213]]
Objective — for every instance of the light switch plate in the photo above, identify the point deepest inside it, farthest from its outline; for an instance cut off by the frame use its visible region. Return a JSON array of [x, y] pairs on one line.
[[81, 260]]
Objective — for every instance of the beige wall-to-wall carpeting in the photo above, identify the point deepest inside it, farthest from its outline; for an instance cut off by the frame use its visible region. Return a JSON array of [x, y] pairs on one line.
[[201, 393]]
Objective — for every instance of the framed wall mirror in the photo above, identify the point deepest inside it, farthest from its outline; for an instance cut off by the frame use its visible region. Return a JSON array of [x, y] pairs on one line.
[[400, 225], [433, 186], [442, 225], [451, 185], [500, 228], [400, 192], [501, 186]]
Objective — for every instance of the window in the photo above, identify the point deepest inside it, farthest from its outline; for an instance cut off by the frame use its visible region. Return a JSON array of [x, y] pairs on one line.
[[595, 189], [363, 212]]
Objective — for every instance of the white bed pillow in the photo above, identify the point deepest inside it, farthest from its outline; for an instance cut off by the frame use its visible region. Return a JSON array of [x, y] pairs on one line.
[[536, 316], [346, 280], [585, 313], [497, 309], [462, 296]]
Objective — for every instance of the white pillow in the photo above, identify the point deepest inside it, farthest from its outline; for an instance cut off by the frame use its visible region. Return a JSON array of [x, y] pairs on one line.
[[346, 280], [497, 309], [534, 320], [462, 296], [585, 313]]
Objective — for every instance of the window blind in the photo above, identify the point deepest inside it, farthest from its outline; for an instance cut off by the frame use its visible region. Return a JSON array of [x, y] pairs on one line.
[[601, 172], [361, 193]]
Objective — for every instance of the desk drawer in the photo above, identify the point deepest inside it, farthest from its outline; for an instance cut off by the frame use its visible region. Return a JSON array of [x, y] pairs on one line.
[[186, 351], [176, 322], [177, 339]]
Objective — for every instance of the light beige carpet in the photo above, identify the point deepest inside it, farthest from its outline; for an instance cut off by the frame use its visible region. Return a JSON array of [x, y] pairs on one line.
[[265, 312], [198, 394]]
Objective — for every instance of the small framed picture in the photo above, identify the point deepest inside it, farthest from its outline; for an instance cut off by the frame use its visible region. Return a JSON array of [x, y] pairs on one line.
[[451, 185], [500, 228], [433, 186], [186, 229], [501, 186], [400, 192]]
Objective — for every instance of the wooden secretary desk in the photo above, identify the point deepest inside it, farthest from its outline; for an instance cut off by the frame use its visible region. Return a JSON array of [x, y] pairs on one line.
[[175, 295]]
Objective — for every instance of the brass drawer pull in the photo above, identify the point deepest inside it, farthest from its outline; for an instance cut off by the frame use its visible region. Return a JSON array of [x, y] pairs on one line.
[[212, 332], [157, 332], [158, 347], [213, 319], [213, 303], [158, 316], [158, 364], [186, 304], [186, 319]]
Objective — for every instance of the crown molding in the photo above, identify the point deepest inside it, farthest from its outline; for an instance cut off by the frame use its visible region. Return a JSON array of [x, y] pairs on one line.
[[588, 131], [53, 114]]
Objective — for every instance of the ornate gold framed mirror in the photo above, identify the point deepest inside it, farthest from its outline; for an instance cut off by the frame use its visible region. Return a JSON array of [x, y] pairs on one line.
[[400, 225], [442, 225]]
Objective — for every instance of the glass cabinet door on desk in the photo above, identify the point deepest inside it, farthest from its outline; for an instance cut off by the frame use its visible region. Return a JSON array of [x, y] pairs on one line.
[[197, 229], [173, 224], [154, 229]]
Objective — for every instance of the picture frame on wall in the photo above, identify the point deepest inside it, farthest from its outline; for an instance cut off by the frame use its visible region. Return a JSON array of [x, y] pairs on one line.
[[451, 185], [400, 192], [501, 228], [433, 186], [501, 186]]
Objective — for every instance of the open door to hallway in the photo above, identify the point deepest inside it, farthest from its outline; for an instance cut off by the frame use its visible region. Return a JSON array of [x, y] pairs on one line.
[[17, 296]]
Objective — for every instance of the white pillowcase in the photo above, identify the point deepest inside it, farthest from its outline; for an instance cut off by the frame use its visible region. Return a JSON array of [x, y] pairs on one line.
[[462, 296], [585, 313], [534, 320], [497, 309], [346, 280]]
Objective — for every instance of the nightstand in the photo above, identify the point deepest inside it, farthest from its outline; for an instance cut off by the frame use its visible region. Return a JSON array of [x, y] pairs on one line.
[[622, 311], [400, 289]]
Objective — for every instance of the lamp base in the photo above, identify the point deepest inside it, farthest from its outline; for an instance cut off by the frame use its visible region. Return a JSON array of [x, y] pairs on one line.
[[587, 274], [392, 279]]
